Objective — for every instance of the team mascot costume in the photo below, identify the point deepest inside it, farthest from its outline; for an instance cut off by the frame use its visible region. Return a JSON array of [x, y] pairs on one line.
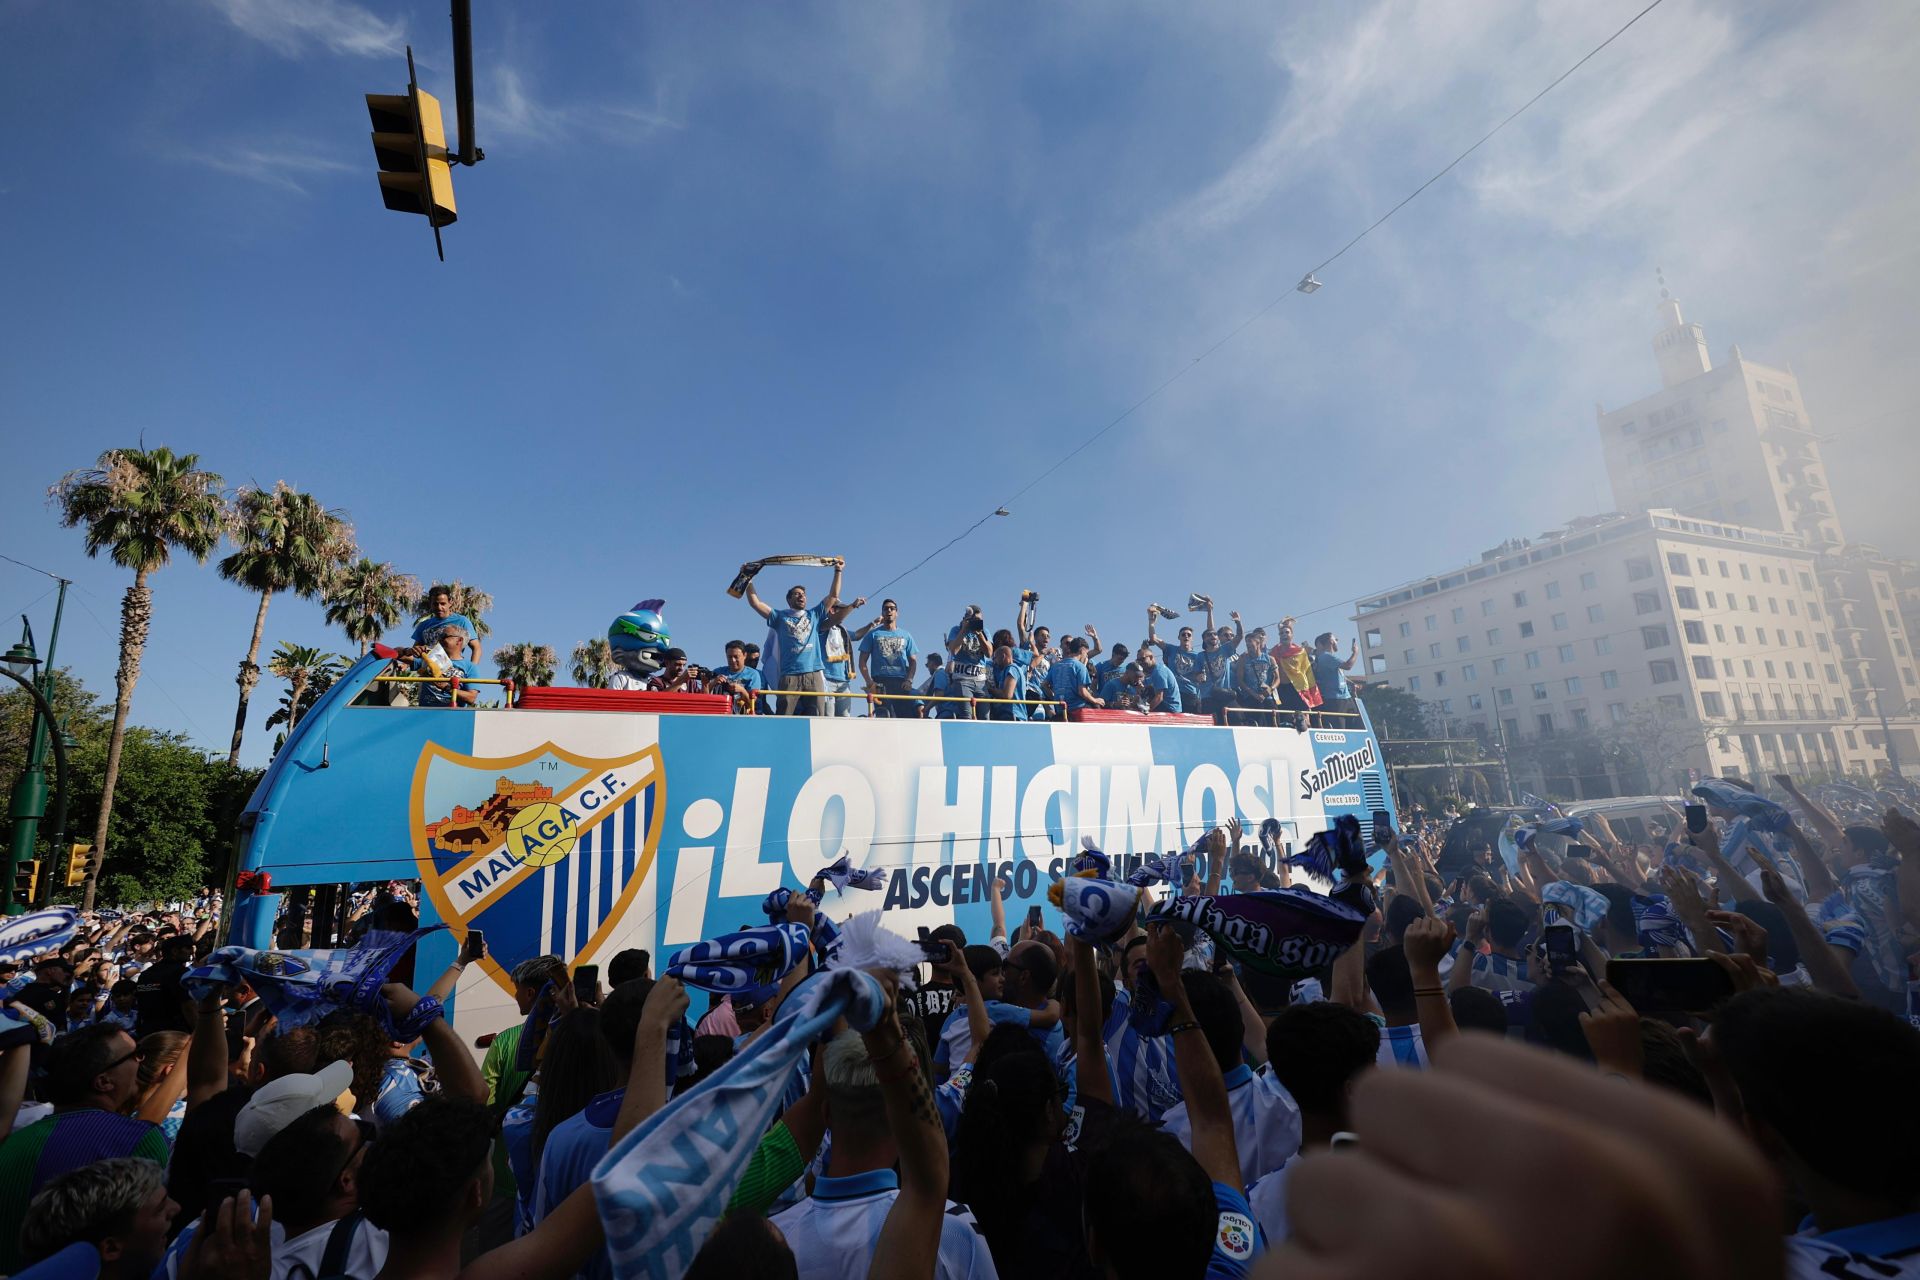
[[638, 639]]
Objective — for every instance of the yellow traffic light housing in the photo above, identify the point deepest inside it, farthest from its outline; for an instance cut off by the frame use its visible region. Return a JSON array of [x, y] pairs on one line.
[[410, 146], [26, 882], [77, 858]]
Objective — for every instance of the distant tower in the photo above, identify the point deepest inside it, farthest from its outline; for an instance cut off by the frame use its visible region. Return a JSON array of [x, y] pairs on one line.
[[1681, 348]]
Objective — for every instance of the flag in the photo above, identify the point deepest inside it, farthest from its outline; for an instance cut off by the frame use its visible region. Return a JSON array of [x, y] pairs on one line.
[[24, 937], [1655, 924], [300, 987], [843, 875], [1169, 868], [662, 1188]]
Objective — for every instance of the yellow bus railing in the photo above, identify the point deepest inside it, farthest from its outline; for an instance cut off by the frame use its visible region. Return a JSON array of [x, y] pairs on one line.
[[454, 682], [753, 702], [1312, 713]]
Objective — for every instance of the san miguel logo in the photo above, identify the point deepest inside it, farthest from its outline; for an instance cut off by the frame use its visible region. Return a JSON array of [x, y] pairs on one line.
[[1341, 766], [541, 851]]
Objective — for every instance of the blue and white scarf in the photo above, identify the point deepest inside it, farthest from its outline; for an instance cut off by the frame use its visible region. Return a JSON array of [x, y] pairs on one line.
[[843, 875], [1168, 868], [1864, 917], [775, 903], [1587, 907], [1655, 924], [662, 1188], [24, 937], [735, 963], [300, 987], [1096, 911], [1090, 861]]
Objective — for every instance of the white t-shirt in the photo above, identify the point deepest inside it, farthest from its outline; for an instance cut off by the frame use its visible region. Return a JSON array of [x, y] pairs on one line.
[[1266, 1123], [1268, 1197], [299, 1258], [833, 1233]]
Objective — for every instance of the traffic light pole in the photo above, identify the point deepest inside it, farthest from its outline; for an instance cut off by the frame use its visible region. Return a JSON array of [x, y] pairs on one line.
[[32, 787], [470, 154]]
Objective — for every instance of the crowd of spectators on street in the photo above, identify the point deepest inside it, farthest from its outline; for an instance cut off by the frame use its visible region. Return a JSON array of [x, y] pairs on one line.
[[1463, 1092]]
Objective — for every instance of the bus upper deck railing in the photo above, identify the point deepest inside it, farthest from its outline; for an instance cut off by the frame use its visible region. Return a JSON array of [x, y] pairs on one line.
[[1055, 709]]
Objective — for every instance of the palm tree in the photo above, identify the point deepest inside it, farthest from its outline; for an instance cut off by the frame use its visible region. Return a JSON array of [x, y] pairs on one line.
[[287, 542], [471, 601], [137, 505], [526, 665], [367, 597], [299, 664], [593, 663], [319, 680]]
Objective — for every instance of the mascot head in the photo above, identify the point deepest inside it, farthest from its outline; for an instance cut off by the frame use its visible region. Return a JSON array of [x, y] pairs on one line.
[[639, 637]]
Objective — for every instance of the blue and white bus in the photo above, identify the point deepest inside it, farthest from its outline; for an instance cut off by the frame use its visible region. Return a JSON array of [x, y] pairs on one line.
[[584, 822]]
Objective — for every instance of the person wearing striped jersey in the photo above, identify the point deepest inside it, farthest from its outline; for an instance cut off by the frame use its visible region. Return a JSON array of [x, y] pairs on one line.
[[833, 1233], [1405, 985], [1826, 1089], [1503, 966], [1266, 1119], [1317, 1053]]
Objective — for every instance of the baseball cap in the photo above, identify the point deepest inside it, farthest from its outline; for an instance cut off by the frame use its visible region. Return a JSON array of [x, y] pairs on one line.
[[278, 1103], [671, 654]]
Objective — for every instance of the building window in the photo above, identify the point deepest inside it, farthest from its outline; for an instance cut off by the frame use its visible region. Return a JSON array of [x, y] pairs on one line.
[[1685, 598], [1439, 679], [1376, 664], [1588, 581], [1406, 629], [1596, 613], [1711, 704], [1769, 666], [1663, 671], [1459, 615], [1753, 604], [1723, 569], [1579, 715], [1645, 602], [1432, 622], [1539, 693], [1602, 645], [1703, 667], [1677, 564], [1469, 672], [1499, 666], [1726, 666], [1806, 583], [1655, 638], [1475, 702], [1566, 653], [1695, 632], [1748, 664], [1558, 621], [1545, 719], [1433, 651], [1413, 684], [1833, 676], [1773, 605], [1506, 697], [1526, 629], [1746, 573], [1573, 684], [1406, 657], [1486, 608], [1493, 637], [1638, 568], [1617, 712], [1446, 706], [1519, 599], [1553, 591], [1719, 633], [1740, 634], [1764, 575], [1609, 679], [1462, 644], [1533, 659]]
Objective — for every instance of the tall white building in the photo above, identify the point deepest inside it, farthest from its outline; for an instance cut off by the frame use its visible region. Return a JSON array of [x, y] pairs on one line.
[[1721, 625]]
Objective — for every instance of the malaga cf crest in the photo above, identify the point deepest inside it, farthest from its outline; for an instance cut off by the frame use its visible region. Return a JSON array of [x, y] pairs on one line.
[[543, 851]]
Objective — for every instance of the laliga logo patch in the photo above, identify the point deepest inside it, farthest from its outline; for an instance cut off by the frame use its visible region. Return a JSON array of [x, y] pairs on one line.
[[541, 835], [1236, 1236]]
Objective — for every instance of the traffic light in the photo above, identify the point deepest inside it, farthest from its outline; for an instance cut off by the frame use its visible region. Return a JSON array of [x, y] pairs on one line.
[[26, 882], [77, 857], [410, 146]]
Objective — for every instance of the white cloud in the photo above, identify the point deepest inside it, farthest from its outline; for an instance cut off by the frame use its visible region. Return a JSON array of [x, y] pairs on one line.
[[511, 108], [291, 27], [285, 168]]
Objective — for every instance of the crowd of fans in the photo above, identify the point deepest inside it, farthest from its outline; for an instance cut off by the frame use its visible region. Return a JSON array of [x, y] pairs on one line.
[[1021, 673], [1463, 1092]]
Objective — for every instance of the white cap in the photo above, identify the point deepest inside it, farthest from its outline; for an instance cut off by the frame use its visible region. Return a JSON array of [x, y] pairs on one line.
[[278, 1103]]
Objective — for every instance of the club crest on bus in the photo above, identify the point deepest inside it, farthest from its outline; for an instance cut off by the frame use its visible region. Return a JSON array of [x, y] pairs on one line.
[[543, 850]]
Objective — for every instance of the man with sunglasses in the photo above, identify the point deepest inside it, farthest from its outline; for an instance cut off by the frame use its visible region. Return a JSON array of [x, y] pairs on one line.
[[93, 1074], [307, 1155]]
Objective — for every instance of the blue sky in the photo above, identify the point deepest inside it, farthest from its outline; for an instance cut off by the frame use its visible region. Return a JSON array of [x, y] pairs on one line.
[[840, 278]]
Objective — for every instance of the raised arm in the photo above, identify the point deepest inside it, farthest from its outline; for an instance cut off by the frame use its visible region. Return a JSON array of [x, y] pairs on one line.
[[1153, 616], [1201, 1083], [1823, 822], [1829, 971], [833, 591], [841, 612], [754, 601], [207, 1054], [459, 1073], [1426, 943], [909, 1240], [998, 907], [1090, 1074]]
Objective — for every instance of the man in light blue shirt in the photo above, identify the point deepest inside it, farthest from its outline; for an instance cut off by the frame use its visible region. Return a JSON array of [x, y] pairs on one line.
[[1158, 688], [1069, 678], [796, 631], [888, 657], [440, 614]]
